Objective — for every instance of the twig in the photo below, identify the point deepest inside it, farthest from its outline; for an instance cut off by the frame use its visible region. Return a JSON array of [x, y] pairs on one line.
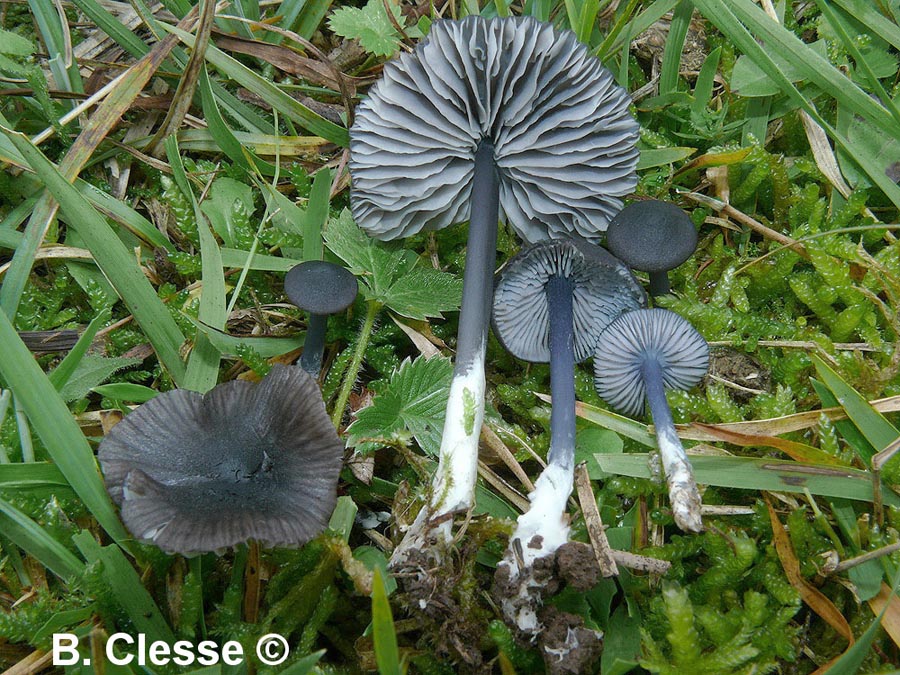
[[602, 550], [865, 557]]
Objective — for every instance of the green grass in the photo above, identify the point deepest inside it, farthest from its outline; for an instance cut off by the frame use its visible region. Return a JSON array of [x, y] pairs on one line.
[[796, 280]]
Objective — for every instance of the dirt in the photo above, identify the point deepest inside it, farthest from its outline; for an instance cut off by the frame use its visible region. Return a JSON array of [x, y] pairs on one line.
[[743, 376], [442, 597], [577, 566], [566, 644]]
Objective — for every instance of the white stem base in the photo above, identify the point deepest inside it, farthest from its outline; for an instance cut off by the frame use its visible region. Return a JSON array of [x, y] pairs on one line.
[[541, 531], [453, 486], [683, 493]]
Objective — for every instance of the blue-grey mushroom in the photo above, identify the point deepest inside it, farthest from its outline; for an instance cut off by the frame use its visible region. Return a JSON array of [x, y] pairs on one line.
[[204, 472], [320, 288], [551, 304], [652, 236], [638, 357], [488, 116]]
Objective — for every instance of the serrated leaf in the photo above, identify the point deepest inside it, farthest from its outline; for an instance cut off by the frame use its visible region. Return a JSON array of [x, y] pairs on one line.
[[91, 372], [370, 25], [388, 275], [424, 293], [14, 44], [414, 400]]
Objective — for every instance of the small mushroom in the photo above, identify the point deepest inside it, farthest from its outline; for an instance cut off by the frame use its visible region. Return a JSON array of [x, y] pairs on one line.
[[638, 356], [482, 117], [652, 236], [320, 288], [552, 302], [204, 472]]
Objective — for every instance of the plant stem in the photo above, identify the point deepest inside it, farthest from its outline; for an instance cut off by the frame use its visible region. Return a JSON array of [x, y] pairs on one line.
[[373, 307]]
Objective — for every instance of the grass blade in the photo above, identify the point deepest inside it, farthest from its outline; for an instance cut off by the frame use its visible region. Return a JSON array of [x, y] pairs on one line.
[[61, 374], [877, 430], [387, 654], [759, 474], [31, 537], [203, 363], [55, 426], [113, 258], [271, 94], [671, 60], [126, 587]]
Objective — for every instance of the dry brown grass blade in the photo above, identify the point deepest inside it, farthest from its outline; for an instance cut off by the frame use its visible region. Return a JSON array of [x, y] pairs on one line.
[[811, 595], [496, 445], [34, 663], [799, 452], [891, 619], [775, 426], [286, 59], [184, 94]]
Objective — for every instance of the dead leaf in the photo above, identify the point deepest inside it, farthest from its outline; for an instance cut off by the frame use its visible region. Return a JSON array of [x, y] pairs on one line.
[[811, 595]]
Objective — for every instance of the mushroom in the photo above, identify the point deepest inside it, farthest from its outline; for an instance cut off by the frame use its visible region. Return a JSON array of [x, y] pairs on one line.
[[487, 116], [637, 357], [320, 288], [652, 236], [552, 302], [194, 473]]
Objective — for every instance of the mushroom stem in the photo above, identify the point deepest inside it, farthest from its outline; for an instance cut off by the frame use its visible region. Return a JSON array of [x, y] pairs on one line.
[[683, 492], [454, 484], [314, 344], [659, 283], [562, 372], [453, 487]]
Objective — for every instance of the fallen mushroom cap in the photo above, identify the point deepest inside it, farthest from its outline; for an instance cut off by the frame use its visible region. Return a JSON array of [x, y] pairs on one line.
[[564, 140], [320, 287], [603, 288], [195, 473], [652, 236], [628, 341]]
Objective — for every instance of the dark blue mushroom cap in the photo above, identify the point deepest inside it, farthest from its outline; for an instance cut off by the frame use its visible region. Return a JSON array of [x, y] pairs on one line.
[[602, 288], [195, 473], [320, 287], [563, 137], [634, 337], [652, 236]]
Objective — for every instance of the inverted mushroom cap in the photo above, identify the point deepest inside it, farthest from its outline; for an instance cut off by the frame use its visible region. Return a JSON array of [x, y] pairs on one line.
[[195, 473], [603, 288], [634, 337], [320, 287], [564, 141], [652, 236]]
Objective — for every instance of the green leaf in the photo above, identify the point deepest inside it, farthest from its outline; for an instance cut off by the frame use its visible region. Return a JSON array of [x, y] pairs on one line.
[[387, 654], [55, 426], [748, 473], [126, 391], [305, 664], [424, 292], [14, 44], [370, 25], [877, 430], [748, 79], [414, 400], [33, 538], [388, 275], [226, 197], [92, 371], [621, 644], [33, 477], [116, 261], [230, 345], [60, 375], [126, 587]]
